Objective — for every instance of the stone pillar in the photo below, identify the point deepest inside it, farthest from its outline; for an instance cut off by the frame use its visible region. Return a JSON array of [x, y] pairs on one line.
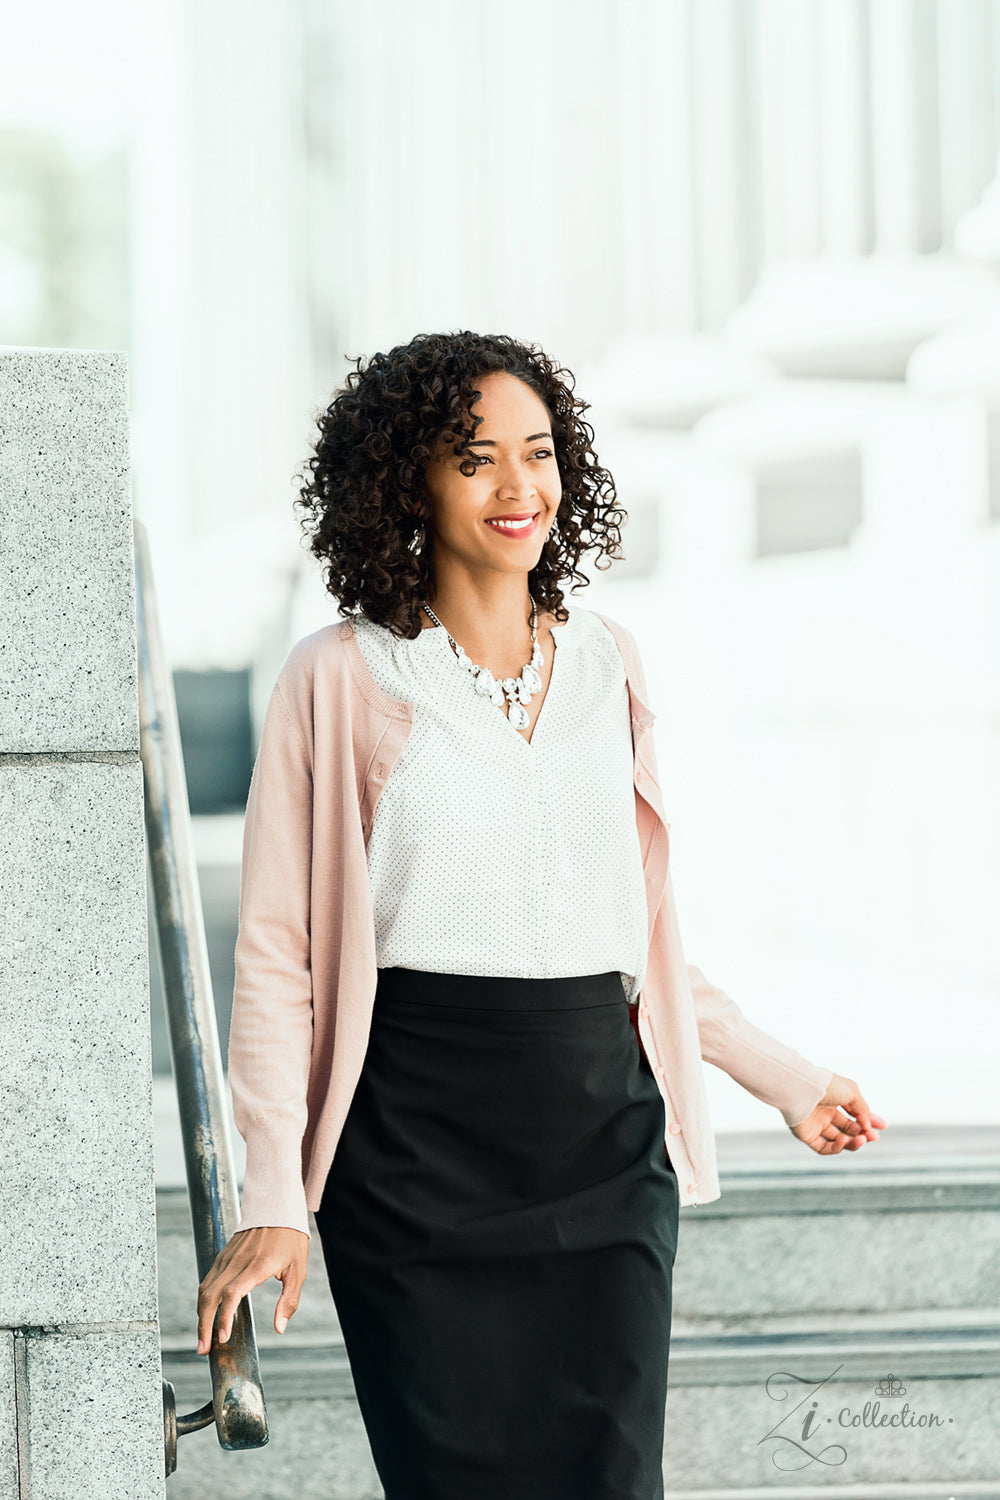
[[905, 74], [80, 1398]]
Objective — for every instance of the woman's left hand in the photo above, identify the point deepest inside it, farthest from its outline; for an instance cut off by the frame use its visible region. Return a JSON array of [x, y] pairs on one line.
[[841, 1120]]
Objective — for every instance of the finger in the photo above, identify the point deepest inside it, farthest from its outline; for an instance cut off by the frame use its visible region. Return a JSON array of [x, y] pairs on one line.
[[840, 1134], [227, 1298], [239, 1287], [877, 1124], [292, 1281], [208, 1302], [858, 1107], [228, 1308], [225, 1305], [213, 1284], [210, 1294]]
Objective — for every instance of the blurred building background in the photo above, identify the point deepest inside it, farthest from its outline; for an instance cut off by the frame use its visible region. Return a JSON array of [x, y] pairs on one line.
[[765, 236]]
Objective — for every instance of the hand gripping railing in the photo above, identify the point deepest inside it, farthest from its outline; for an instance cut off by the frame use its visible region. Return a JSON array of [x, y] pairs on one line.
[[237, 1405]]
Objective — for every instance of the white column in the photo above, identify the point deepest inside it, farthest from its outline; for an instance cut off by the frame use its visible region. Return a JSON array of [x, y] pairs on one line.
[[725, 204], [528, 170], [662, 51], [968, 32], [246, 342], [80, 1399], [905, 126], [786, 63], [845, 127], [221, 391]]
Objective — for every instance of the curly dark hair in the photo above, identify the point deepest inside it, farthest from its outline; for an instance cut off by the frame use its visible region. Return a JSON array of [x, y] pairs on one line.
[[361, 499]]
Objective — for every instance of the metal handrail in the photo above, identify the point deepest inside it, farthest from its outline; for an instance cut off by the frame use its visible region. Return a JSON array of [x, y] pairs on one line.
[[237, 1405]]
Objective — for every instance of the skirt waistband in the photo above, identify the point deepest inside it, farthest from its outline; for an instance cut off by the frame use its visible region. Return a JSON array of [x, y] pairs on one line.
[[498, 992]]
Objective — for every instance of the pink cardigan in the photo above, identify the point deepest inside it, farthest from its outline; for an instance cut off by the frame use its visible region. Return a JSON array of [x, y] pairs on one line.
[[305, 950]]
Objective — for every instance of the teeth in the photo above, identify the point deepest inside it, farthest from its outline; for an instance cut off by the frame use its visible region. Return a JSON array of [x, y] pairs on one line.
[[513, 525]]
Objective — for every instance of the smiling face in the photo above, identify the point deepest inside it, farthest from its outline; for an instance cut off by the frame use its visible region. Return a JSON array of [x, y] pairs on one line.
[[511, 472]]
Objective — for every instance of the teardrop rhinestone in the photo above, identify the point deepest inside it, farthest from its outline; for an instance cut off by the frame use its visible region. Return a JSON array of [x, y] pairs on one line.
[[517, 716], [532, 681], [496, 697], [486, 683], [510, 686]]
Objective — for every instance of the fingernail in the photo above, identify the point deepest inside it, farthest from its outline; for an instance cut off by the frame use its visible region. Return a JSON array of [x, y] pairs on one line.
[[224, 1336], [282, 1323]]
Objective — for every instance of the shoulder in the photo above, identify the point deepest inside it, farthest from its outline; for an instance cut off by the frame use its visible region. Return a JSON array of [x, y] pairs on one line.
[[324, 651], [628, 649], [623, 637], [329, 665]]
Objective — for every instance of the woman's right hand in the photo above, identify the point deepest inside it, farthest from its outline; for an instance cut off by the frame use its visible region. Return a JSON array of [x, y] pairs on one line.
[[250, 1257]]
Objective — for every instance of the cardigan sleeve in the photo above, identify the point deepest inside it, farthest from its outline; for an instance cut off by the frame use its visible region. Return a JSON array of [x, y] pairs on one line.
[[765, 1067], [759, 1062], [270, 1040]]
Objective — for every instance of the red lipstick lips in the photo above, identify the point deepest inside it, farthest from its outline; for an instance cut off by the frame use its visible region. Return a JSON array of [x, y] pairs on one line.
[[526, 528]]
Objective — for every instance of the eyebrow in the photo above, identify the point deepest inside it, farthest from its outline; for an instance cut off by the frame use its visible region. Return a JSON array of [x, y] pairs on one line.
[[489, 443]]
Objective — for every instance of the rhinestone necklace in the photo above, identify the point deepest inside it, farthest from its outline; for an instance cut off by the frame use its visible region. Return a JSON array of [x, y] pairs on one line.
[[517, 690]]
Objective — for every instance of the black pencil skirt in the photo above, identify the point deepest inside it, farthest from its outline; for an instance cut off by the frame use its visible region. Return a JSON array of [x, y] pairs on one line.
[[499, 1228]]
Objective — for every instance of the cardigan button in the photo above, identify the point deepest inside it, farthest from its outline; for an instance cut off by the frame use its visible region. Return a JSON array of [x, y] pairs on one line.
[[674, 1128], [660, 1071], [692, 1187], [380, 770]]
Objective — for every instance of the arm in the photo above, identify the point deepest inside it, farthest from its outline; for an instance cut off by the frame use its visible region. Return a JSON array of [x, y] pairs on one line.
[[761, 1064], [823, 1109], [765, 1067], [270, 1040], [820, 1107]]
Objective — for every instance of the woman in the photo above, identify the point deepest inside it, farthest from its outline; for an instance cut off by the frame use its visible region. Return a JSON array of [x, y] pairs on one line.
[[464, 1034]]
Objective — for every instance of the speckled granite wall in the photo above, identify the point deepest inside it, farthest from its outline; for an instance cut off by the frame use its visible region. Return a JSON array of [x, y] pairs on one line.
[[80, 1404]]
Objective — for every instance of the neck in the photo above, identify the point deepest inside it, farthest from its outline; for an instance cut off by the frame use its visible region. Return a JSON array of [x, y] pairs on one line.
[[481, 617]]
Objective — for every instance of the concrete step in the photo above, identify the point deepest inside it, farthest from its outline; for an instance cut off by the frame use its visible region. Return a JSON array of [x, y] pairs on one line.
[[899, 1490], [843, 1240], [779, 1242], [808, 1280], [753, 1410], [735, 1415]]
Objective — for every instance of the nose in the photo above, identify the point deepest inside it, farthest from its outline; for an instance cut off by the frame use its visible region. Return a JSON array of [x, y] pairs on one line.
[[515, 481]]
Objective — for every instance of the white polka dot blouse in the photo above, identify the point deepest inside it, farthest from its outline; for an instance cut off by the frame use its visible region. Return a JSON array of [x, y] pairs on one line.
[[492, 854]]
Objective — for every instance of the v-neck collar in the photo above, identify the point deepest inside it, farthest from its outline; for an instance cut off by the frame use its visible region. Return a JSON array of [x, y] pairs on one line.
[[496, 709]]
